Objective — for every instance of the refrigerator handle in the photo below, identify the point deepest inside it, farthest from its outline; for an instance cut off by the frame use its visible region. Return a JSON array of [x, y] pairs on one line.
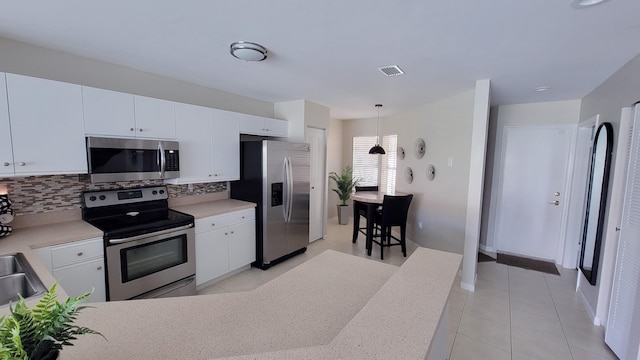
[[288, 188], [285, 190]]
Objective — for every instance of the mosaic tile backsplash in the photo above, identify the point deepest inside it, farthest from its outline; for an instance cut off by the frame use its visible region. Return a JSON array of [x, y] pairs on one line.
[[39, 194]]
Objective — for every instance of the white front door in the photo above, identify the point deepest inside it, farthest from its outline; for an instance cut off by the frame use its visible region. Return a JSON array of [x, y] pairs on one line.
[[316, 138], [531, 198]]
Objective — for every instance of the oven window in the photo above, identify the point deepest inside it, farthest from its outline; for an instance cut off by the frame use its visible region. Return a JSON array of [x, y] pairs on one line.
[[150, 258]]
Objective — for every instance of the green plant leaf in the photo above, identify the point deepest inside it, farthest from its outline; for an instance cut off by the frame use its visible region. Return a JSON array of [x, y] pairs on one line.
[[41, 332]]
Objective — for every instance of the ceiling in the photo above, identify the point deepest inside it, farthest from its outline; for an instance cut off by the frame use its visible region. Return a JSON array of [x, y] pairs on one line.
[[328, 51]]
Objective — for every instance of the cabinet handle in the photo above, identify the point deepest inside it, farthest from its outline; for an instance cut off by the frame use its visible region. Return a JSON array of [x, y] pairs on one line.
[[243, 217], [210, 175], [22, 163], [232, 232], [132, 129], [140, 129], [213, 224], [6, 163], [99, 267], [80, 253], [226, 233]]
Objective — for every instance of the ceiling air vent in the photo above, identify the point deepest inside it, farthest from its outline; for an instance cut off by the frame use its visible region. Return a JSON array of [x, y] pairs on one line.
[[391, 70]]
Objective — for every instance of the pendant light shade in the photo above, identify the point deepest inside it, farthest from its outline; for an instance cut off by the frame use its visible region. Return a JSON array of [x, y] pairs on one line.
[[377, 149]]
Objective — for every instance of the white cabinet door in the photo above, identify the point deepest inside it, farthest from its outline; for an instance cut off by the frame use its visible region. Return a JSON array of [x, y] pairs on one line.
[[108, 113], [47, 128], [242, 244], [212, 259], [80, 278], [225, 146], [275, 127], [193, 131], [6, 152], [249, 124], [258, 125], [155, 118]]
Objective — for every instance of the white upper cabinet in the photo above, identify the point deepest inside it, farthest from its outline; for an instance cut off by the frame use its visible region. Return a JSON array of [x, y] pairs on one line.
[[193, 131], [6, 152], [226, 146], [108, 113], [112, 113], [257, 125], [47, 128], [155, 118], [209, 145]]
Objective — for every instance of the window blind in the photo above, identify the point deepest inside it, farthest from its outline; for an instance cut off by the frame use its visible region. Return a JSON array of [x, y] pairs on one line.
[[389, 163], [372, 169], [365, 165]]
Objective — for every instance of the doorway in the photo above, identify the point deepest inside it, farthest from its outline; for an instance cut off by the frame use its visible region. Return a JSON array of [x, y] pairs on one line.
[[532, 189], [316, 138]]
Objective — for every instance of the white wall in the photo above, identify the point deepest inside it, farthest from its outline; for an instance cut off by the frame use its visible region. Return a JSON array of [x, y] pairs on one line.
[[24, 59], [546, 113], [334, 163], [620, 90], [440, 205]]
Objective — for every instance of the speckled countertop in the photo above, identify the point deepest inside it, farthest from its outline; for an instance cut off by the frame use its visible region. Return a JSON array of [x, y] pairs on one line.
[[334, 306]]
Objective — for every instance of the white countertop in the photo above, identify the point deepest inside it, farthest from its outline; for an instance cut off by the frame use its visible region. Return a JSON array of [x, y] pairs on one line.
[[334, 306]]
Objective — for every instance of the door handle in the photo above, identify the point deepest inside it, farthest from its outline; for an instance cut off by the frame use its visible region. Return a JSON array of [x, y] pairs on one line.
[[556, 203]]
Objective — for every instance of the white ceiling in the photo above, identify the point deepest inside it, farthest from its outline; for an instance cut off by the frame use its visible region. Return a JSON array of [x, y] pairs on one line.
[[328, 51]]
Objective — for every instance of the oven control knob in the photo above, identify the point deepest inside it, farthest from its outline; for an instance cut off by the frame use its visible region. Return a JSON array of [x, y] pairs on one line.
[[161, 191], [102, 197], [154, 192], [92, 198]]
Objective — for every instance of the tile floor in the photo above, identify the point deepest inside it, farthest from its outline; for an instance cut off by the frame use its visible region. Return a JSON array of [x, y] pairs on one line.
[[513, 314]]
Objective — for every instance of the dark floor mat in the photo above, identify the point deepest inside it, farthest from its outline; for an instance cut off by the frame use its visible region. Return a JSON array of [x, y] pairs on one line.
[[484, 257], [525, 263]]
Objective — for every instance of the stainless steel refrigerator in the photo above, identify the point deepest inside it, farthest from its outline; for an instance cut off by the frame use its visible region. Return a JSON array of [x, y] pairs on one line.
[[275, 175]]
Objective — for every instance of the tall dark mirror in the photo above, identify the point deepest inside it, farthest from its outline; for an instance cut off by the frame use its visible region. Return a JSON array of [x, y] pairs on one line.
[[596, 202]]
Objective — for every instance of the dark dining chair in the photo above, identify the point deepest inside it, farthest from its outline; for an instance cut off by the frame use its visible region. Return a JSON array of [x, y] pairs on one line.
[[393, 213], [362, 208]]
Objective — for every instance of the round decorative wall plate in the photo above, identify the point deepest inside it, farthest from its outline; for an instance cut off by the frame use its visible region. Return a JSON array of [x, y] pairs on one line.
[[431, 172], [400, 153], [419, 148], [408, 175]]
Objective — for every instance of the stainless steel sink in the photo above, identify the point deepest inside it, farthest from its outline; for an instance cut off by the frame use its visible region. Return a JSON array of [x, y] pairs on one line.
[[18, 277]]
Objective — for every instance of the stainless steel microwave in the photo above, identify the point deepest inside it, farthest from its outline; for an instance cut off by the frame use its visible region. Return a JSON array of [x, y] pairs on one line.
[[114, 159]]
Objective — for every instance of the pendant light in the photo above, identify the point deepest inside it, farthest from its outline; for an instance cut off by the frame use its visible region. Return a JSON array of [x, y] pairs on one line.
[[377, 149]]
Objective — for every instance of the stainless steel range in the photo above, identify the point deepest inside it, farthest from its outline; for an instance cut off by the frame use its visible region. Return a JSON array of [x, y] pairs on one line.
[[149, 248]]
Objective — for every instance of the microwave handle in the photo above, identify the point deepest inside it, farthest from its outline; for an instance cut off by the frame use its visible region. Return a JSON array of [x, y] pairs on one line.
[[161, 159]]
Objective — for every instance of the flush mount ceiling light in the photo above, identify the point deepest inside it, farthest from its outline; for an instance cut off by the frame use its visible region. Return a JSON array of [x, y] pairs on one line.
[[542, 88], [581, 4], [377, 149], [248, 51]]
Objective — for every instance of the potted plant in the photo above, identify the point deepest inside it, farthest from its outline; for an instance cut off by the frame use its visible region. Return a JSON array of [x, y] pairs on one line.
[[40, 333], [345, 183]]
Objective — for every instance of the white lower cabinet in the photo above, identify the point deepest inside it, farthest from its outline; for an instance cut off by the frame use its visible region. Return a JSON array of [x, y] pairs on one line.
[[78, 267], [212, 258], [224, 243], [242, 244]]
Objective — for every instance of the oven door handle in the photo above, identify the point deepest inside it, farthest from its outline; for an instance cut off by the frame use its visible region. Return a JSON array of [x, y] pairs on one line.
[[143, 236]]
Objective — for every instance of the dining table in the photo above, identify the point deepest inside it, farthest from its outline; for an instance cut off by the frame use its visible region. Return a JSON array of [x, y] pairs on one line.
[[372, 200]]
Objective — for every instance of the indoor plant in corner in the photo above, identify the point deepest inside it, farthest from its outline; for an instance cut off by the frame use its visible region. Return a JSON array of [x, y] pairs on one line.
[[345, 183], [40, 333]]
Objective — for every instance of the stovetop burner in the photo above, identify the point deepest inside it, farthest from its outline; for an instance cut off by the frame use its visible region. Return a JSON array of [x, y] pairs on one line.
[[131, 212]]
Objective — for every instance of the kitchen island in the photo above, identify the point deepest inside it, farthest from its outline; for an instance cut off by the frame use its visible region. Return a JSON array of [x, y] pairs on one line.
[[334, 306]]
